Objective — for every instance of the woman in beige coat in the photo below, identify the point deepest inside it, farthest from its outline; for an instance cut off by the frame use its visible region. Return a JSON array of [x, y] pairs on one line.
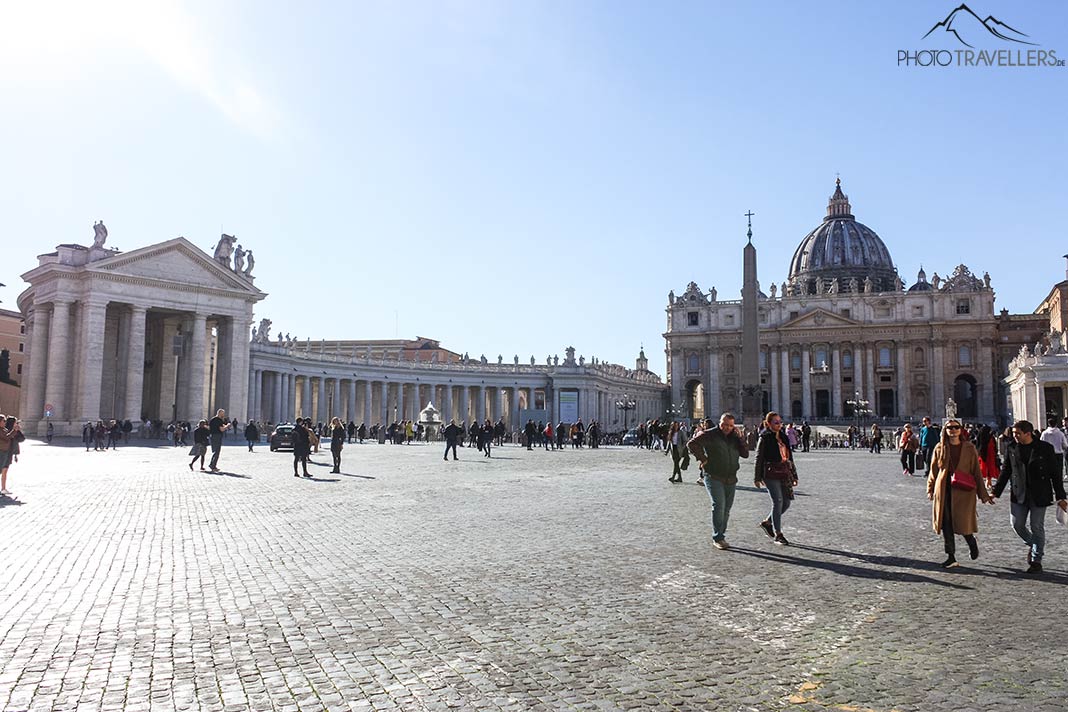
[[954, 508]]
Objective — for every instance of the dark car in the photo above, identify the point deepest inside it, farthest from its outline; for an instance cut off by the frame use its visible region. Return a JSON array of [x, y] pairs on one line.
[[282, 437]]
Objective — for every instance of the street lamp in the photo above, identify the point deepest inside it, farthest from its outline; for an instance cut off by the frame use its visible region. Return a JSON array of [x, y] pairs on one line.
[[860, 407], [626, 403], [675, 411]]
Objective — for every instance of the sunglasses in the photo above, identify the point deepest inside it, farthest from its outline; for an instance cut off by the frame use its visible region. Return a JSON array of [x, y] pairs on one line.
[[776, 422], [952, 427]]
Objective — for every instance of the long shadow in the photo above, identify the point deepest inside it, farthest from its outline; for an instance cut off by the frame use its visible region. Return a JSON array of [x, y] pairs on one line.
[[229, 474], [322, 479], [362, 477], [10, 502], [848, 570]]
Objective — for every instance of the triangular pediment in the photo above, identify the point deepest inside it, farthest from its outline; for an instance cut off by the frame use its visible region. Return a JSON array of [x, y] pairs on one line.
[[177, 261], [818, 319]]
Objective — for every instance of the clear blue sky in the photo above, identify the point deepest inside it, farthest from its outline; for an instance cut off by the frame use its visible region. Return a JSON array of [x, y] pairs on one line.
[[515, 177]]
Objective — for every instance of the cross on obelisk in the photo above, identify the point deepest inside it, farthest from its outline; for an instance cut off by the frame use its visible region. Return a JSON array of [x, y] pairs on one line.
[[749, 216]]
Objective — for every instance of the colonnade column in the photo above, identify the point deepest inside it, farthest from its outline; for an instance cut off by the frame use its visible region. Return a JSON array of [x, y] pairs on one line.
[[447, 413], [59, 348], [194, 403], [806, 382], [498, 411], [480, 408], [368, 393], [384, 405], [38, 325], [713, 396], [92, 365], [773, 378], [938, 386], [253, 394], [350, 410], [335, 402], [135, 371], [858, 373], [870, 383], [278, 407]]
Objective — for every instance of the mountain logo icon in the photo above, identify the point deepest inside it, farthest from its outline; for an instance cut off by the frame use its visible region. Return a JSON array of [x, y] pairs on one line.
[[965, 25]]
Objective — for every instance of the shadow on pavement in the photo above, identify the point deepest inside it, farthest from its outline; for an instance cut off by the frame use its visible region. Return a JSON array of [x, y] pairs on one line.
[[10, 502], [362, 477], [847, 569], [224, 473]]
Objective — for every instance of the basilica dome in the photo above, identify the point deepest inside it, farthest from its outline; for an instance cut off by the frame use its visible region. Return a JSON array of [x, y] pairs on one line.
[[842, 249]]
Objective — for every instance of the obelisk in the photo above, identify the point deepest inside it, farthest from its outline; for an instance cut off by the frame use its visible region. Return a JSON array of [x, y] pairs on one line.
[[751, 391]]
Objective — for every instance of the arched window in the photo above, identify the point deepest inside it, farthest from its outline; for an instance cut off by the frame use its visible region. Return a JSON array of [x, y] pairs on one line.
[[918, 358], [821, 357], [847, 359], [884, 357], [795, 361], [763, 359], [693, 364], [728, 363], [964, 356]]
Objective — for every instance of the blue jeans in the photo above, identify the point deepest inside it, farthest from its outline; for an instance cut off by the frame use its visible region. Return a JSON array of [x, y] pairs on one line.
[[722, 495], [1036, 537], [779, 504]]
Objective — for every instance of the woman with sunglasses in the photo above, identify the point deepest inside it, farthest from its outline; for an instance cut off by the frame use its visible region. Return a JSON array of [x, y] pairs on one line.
[[954, 486], [775, 470]]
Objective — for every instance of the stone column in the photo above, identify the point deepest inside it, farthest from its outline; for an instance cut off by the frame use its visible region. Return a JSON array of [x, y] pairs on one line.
[[253, 393], [278, 399], [773, 379], [806, 382], [224, 358], [987, 386], [447, 413], [555, 415], [480, 407], [870, 381], [305, 397], [239, 361], [92, 366], [858, 373], [194, 366], [37, 362], [498, 410], [713, 400], [367, 397], [385, 404], [135, 373], [320, 399], [784, 398], [56, 379], [902, 384], [350, 410], [836, 382], [335, 402]]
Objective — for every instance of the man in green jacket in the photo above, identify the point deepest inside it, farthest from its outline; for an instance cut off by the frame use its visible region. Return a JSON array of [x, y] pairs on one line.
[[718, 450]]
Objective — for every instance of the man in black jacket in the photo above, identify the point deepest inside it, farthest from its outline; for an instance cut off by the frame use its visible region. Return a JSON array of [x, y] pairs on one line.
[[452, 433], [1033, 469], [718, 450]]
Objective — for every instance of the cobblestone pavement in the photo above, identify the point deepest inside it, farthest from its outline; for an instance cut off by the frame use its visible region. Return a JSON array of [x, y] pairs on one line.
[[530, 581]]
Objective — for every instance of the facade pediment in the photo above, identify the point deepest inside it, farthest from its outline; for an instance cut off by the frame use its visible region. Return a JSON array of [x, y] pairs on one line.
[[818, 319], [177, 261]]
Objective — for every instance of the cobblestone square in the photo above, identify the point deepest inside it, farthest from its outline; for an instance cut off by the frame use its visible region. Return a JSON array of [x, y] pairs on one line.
[[532, 580]]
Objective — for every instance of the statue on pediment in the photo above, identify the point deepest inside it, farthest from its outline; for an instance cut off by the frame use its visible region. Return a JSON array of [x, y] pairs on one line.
[[773, 289], [671, 297], [251, 264], [853, 285], [264, 332], [951, 408], [224, 248], [936, 282], [834, 286], [100, 234], [712, 294], [986, 280], [239, 260], [868, 284]]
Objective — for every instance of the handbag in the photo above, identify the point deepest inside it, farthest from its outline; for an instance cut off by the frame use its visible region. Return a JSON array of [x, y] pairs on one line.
[[962, 480], [779, 470], [685, 463]]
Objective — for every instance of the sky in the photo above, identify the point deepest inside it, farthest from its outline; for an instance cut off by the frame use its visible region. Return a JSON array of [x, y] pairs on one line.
[[516, 177]]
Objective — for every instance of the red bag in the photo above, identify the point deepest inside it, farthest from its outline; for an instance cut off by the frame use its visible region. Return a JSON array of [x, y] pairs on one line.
[[962, 480]]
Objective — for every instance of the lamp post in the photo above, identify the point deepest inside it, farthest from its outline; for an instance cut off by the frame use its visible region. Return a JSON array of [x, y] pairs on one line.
[[626, 404], [675, 412], [860, 407]]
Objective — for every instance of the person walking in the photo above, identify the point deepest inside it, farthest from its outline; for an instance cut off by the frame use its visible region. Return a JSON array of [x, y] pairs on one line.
[[252, 434], [452, 433], [953, 487], [718, 450], [676, 446], [1055, 437], [928, 439], [337, 442], [50, 432], [876, 439], [485, 437], [218, 427], [775, 470], [301, 445], [10, 436], [988, 456], [201, 437], [806, 436], [1033, 469], [908, 445]]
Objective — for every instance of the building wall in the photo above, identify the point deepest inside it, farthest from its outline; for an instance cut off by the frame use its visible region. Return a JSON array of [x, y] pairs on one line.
[[12, 338]]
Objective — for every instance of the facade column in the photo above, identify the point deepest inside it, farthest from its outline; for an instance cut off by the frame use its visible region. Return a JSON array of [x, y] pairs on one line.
[[858, 373], [305, 397], [806, 382], [836, 382], [196, 361], [253, 381], [938, 383], [92, 365], [480, 407], [869, 373], [555, 415], [447, 412], [773, 373], [987, 386], [238, 357], [902, 384], [384, 405], [713, 397], [135, 369], [350, 410], [498, 409], [57, 375], [34, 379], [784, 399], [320, 404], [335, 404]]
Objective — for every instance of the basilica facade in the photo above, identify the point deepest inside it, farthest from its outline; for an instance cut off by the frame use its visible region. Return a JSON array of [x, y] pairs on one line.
[[843, 335]]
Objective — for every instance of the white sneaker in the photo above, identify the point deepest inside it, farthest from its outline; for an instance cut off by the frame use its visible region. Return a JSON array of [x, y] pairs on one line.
[[6, 493]]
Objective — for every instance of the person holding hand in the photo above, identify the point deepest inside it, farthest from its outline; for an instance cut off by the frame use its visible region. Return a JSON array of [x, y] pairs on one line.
[[953, 487], [775, 470]]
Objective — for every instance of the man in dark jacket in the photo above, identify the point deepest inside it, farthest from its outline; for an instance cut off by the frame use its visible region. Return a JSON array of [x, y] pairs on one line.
[[452, 433], [718, 450], [1033, 469]]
